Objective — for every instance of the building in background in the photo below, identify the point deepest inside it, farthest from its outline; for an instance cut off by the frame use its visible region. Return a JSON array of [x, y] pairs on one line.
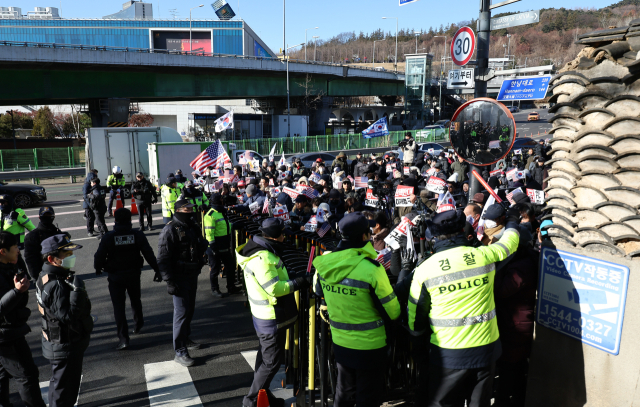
[[132, 27]]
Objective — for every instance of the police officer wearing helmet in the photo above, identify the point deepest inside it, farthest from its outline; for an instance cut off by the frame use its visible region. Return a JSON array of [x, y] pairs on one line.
[[120, 254], [13, 220], [66, 319], [115, 183], [359, 301], [145, 194], [33, 241], [16, 360], [181, 179], [170, 194], [195, 195], [451, 296], [273, 306], [181, 255], [218, 234]]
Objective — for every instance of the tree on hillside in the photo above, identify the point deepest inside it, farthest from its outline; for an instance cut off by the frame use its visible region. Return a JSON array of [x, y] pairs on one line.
[[43, 123]]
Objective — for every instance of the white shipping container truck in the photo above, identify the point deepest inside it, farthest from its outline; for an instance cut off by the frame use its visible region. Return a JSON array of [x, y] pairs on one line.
[[166, 158], [125, 147]]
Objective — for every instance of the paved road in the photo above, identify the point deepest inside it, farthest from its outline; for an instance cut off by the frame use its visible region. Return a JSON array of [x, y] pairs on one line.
[[533, 128], [138, 377]]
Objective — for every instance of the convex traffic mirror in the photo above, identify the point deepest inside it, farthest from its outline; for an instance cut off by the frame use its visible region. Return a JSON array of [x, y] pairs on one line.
[[482, 131]]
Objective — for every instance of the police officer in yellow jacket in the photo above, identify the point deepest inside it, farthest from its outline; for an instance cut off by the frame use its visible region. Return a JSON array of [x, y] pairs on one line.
[[451, 296], [115, 183], [170, 194], [218, 234], [15, 221], [273, 306], [359, 301]]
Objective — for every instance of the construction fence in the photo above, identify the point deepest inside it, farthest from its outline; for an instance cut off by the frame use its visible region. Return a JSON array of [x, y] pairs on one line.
[[41, 158], [74, 157]]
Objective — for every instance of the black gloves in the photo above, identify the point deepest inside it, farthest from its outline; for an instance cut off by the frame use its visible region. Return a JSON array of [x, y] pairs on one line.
[[75, 283], [172, 289], [157, 277], [408, 261], [154, 201], [98, 273], [301, 283], [513, 214]]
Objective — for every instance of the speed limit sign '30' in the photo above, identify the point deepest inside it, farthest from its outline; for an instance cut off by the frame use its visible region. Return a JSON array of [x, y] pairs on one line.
[[462, 46]]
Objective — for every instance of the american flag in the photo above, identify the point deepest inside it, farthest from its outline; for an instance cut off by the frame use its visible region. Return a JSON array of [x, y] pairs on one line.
[[324, 229], [361, 182], [308, 191], [214, 155], [384, 258]]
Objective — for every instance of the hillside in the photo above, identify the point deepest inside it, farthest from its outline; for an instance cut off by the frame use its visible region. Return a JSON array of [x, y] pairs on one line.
[[549, 41]]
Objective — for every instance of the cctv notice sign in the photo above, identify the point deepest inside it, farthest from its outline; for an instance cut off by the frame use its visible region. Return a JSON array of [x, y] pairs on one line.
[[582, 297]]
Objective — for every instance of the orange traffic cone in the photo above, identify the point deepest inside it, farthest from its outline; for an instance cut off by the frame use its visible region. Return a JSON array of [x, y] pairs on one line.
[[134, 207], [263, 399], [118, 202]]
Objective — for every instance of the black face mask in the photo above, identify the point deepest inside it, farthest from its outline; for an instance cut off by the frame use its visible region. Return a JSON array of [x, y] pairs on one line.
[[184, 217], [47, 220]]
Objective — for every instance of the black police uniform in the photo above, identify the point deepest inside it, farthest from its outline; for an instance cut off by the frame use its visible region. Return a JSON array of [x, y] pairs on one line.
[[66, 329], [146, 195], [89, 215], [220, 254], [33, 241], [181, 250], [119, 255], [97, 204], [16, 360]]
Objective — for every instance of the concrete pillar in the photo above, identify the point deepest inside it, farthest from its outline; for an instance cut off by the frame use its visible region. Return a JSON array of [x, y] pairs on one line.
[[564, 372]]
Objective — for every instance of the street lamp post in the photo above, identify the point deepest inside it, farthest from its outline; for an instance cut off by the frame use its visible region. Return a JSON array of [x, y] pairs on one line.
[[373, 60], [288, 100], [315, 43], [395, 61], [305, 41], [190, 41], [441, 74]]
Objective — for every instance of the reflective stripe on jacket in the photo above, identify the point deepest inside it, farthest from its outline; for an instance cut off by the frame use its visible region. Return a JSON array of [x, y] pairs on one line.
[[215, 225], [356, 289], [269, 290], [169, 198], [113, 181], [453, 290], [15, 223]]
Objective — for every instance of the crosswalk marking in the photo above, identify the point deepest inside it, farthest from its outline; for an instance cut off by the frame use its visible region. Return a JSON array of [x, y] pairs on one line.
[[170, 384], [44, 390], [276, 383]]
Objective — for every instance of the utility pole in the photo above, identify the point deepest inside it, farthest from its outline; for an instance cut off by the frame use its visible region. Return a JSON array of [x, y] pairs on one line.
[[315, 44], [305, 41], [190, 41], [395, 62], [482, 55], [288, 100]]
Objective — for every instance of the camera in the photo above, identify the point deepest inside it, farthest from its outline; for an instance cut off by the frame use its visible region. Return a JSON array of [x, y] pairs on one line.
[[378, 189]]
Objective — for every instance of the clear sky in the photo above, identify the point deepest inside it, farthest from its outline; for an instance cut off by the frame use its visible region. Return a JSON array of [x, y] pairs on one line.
[[332, 16]]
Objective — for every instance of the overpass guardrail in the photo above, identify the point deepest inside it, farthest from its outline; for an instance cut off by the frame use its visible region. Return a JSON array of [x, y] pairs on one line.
[[41, 159]]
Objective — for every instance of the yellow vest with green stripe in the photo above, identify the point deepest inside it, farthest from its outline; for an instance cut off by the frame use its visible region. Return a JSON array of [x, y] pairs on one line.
[[267, 282], [350, 281], [15, 223], [198, 201], [169, 198], [455, 289], [113, 181], [215, 225]]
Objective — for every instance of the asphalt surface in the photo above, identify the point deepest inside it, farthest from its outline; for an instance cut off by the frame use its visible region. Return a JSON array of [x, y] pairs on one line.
[[221, 376], [533, 129]]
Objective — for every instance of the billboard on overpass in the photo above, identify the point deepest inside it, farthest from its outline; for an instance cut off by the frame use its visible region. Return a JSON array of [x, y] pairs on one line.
[[179, 41]]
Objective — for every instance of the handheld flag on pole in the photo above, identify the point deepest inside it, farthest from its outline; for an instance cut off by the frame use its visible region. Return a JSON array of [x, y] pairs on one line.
[[224, 122], [282, 160], [214, 156], [272, 153], [377, 129]]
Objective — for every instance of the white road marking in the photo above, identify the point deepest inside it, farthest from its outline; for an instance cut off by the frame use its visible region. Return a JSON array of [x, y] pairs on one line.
[[276, 383], [46, 204], [170, 384], [108, 224], [44, 390]]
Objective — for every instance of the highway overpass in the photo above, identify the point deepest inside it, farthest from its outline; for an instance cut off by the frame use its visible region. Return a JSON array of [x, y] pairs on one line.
[[61, 74]]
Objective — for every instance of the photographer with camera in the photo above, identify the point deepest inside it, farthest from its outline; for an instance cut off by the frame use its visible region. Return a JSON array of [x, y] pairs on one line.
[[146, 195], [409, 148]]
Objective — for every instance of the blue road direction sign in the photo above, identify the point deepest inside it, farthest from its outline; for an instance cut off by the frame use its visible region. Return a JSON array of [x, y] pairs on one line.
[[405, 2], [524, 88], [582, 297]]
